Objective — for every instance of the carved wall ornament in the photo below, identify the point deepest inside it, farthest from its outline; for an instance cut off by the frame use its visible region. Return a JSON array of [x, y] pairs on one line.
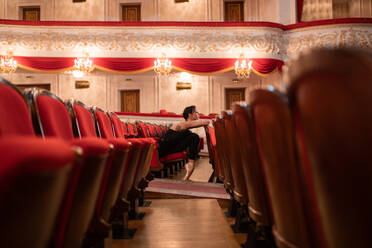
[[199, 42], [345, 37]]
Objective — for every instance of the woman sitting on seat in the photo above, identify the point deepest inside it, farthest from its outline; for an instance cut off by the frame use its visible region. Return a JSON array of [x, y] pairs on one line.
[[179, 137]]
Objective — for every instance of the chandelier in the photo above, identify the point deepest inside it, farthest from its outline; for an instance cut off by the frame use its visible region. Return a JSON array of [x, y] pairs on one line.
[[7, 63], [243, 67], [162, 65], [82, 65]]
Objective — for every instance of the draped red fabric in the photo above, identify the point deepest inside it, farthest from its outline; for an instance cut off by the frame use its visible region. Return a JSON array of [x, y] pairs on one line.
[[124, 64], [300, 4], [266, 66], [202, 66], [137, 65], [45, 63]]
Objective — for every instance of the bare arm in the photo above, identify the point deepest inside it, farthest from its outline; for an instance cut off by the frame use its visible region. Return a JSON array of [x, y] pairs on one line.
[[190, 124]]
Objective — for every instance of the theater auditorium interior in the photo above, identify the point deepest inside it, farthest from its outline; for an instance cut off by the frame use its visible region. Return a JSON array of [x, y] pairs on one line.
[[89, 89]]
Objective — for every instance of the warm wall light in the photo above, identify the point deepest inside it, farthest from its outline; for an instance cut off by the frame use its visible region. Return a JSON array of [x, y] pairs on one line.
[[82, 84], [162, 65], [183, 86], [7, 63], [243, 67], [184, 82]]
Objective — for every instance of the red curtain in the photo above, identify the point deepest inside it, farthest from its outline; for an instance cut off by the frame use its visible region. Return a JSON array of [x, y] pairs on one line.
[[137, 65], [300, 4], [131, 65], [265, 66], [46, 64], [203, 66]]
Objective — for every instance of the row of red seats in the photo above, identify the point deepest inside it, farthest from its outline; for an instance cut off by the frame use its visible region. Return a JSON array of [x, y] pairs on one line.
[[299, 165], [65, 189], [161, 166], [152, 130]]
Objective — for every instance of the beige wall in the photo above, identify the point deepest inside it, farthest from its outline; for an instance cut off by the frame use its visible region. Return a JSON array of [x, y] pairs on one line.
[[176, 100], [66, 10], [194, 10], [151, 10], [144, 83], [268, 10], [95, 95], [207, 92]]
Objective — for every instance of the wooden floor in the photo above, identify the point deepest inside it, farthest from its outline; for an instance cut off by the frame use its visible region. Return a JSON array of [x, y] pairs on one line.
[[202, 171], [178, 223]]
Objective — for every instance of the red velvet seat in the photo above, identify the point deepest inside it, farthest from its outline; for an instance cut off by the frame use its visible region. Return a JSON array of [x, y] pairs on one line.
[[276, 142], [143, 130], [233, 148], [132, 130], [125, 130], [258, 204], [157, 163], [211, 142], [174, 157], [114, 170], [144, 168], [51, 119], [136, 164], [222, 153], [211, 145], [215, 152], [158, 130], [34, 173], [330, 93]]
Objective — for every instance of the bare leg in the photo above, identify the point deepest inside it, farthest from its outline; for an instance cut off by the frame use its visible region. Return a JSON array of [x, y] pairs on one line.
[[189, 169]]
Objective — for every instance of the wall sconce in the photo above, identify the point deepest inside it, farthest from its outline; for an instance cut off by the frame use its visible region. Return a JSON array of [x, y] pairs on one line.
[[184, 82], [82, 84], [183, 86]]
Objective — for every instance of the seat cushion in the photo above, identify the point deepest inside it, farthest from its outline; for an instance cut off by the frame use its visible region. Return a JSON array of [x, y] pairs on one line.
[[137, 142], [38, 154], [148, 141], [173, 157], [119, 144], [92, 146]]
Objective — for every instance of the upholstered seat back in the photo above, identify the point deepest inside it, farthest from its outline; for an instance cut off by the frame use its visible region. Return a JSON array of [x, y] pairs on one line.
[[125, 129], [258, 199], [276, 144], [53, 116], [144, 131], [222, 153], [330, 95], [233, 147], [14, 114], [104, 124], [85, 121]]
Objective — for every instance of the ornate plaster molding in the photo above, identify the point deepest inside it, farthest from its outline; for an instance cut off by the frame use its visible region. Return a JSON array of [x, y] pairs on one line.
[[143, 42], [186, 42], [353, 35]]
